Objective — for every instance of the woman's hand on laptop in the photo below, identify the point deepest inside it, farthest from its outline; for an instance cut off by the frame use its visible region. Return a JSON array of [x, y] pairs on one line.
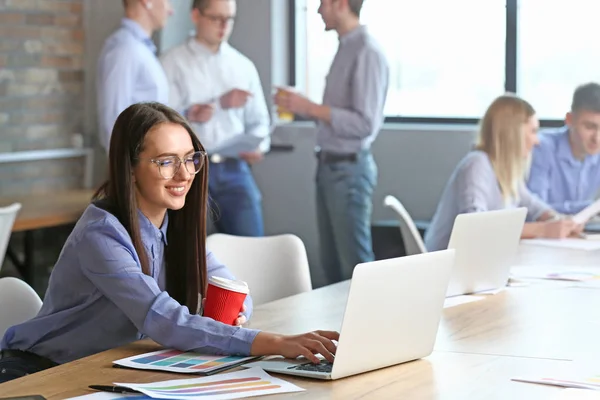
[[292, 346]]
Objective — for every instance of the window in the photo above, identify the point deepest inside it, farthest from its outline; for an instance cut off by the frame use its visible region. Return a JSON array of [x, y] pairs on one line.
[[556, 53], [447, 58]]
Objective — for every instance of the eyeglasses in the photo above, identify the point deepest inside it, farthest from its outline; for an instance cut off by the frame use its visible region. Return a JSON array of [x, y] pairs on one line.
[[169, 166], [218, 18]]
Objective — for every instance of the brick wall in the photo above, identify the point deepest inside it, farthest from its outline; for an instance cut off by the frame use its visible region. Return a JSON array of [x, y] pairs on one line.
[[41, 90], [41, 105]]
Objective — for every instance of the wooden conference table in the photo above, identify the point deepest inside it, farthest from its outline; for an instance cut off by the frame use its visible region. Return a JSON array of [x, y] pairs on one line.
[[529, 330]]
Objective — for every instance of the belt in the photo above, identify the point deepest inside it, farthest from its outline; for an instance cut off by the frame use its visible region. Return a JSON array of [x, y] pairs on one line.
[[40, 361], [327, 157]]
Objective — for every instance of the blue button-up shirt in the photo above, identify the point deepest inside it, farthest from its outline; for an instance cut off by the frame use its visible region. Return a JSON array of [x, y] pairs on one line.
[[98, 298], [473, 187], [128, 72], [356, 91], [557, 177]]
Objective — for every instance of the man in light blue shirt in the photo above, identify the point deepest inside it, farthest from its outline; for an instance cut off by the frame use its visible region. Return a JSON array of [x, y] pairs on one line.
[[565, 169], [128, 69], [348, 122]]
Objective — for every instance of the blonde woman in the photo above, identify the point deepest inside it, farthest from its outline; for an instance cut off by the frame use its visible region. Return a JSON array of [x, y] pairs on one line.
[[492, 176]]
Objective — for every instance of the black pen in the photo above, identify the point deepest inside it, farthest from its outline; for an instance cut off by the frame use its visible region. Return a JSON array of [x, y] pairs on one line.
[[113, 389]]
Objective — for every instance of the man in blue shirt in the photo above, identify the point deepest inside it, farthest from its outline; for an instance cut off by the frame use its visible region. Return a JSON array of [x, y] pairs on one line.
[[128, 69], [565, 170]]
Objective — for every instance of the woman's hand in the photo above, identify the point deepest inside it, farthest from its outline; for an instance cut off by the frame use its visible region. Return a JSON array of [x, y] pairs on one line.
[[560, 229], [241, 320], [292, 346]]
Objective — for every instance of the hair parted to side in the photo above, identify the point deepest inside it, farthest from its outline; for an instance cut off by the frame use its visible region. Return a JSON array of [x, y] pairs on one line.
[[501, 136], [200, 4], [356, 6], [586, 98], [186, 233]]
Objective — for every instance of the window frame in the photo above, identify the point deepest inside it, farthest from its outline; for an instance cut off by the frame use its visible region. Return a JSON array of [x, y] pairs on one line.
[[510, 80]]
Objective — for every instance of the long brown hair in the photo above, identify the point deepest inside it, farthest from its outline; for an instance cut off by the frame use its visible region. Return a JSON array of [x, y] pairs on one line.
[[186, 234], [501, 136]]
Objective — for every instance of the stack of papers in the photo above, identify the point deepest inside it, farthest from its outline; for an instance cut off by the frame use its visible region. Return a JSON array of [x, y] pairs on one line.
[[234, 385], [237, 144], [587, 213]]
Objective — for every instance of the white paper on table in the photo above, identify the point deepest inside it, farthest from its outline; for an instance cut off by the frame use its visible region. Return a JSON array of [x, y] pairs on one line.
[[233, 385], [587, 213], [569, 243], [237, 144], [591, 284]]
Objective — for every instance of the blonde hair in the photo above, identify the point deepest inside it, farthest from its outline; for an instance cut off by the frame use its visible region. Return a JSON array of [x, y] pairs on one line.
[[501, 136]]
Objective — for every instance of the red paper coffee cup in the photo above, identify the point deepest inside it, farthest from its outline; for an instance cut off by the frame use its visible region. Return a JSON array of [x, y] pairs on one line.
[[224, 299]]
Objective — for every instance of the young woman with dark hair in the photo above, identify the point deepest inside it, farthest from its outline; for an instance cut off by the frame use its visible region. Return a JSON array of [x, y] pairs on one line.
[[135, 264]]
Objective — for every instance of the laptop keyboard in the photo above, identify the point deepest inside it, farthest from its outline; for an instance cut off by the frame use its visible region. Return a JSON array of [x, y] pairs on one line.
[[323, 366]]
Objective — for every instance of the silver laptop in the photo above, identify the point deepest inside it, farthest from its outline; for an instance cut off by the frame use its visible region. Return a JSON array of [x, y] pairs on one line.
[[486, 245], [392, 315]]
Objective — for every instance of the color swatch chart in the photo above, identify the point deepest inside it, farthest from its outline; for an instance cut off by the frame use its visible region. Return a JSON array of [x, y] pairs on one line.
[[178, 361], [233, 385]]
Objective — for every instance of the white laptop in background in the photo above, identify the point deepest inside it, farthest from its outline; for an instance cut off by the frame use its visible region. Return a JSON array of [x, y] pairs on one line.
[[486, 245], [392, 316]]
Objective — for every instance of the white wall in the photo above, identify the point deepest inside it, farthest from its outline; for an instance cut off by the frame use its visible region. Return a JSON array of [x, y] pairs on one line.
[[261, 33], [179, 26], [101, 18]]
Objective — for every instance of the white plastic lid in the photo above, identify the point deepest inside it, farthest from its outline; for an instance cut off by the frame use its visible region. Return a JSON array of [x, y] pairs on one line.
[[236, 286]]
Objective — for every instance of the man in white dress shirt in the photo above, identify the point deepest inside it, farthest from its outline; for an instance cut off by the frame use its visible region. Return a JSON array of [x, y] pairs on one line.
[[219, 90]]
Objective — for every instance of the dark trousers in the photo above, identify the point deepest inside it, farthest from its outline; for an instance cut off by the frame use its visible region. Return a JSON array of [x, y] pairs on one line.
[[235, 199], [16, 364]]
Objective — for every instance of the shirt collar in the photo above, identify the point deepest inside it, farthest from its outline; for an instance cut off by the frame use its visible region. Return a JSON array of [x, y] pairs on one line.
[[200, 48], [353, 34], [564, 150], [136, 30], [149, 232]]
